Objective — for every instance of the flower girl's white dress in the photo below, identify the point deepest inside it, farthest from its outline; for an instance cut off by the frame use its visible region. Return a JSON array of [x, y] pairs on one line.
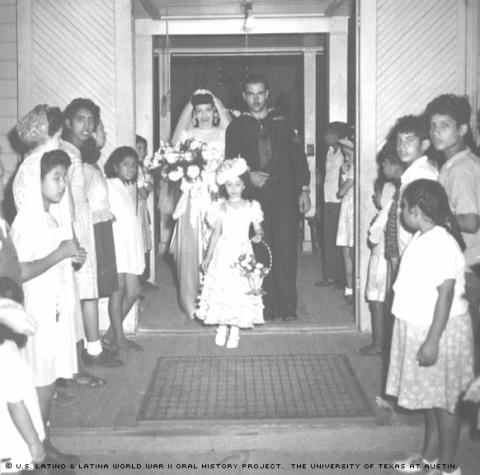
[[225, 297]]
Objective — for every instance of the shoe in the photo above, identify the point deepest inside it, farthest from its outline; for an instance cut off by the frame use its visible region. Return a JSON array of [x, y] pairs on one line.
[[233, 338], [54, 456], [221, 336], [87, 380], [413, 464], [290, 317], [105, 358], [325, 283], [110, 346], [149, 285], [63, 399], [369, 350]]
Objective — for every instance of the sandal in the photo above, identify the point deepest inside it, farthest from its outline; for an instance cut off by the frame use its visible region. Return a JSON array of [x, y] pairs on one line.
[[89, 380], [369, 350]]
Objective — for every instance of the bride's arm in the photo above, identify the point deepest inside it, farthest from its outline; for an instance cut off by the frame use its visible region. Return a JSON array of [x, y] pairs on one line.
[[184, 123]]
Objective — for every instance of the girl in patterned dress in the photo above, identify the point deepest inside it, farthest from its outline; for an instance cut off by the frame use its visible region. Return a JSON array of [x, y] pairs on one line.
[[225, 298], [431, 360]]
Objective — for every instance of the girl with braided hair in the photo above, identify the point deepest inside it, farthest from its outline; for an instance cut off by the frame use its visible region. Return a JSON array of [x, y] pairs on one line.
[[431, 361]]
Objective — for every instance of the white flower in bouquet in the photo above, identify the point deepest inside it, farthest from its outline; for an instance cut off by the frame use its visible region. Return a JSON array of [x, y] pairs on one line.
[[171, 156], [194, 144], [193, 172], [176, 174], [188, 156]]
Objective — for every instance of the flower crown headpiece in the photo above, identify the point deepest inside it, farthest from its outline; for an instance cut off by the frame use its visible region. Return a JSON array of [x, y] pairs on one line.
[[231, 169]]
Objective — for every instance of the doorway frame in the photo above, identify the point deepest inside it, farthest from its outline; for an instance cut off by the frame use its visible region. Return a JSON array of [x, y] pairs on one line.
[[337, 29]]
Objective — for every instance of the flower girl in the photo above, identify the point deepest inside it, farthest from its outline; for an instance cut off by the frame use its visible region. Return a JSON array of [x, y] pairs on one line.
[[226, 299]]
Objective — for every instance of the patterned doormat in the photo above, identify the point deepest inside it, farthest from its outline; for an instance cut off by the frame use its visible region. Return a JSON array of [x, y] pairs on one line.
[[254, 387]]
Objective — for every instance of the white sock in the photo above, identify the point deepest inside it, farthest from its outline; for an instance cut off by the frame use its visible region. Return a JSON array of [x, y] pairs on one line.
[[348, 291], [234, 332], [94, 348]]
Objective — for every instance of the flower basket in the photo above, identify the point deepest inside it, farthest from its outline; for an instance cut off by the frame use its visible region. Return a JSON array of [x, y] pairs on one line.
[[255, 272]]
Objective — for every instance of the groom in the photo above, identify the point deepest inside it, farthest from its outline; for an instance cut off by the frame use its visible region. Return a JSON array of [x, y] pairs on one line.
[[279, 181]]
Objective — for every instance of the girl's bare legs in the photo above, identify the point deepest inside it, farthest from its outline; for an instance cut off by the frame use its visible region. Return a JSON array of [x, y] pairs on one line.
[[377, 310], [45, 396], [347, 254], [132, 293], [115, 304], [120, 303], [449, 431], [431, 441]]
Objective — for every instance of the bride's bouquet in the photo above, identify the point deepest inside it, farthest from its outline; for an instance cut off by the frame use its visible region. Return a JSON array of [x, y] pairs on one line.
[[187, 161]]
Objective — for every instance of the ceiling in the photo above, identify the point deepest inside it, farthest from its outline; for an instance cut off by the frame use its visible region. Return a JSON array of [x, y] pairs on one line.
[[157, 9]]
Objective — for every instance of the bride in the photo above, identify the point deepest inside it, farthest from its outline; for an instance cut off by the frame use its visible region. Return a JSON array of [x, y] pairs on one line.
[[204, 119]]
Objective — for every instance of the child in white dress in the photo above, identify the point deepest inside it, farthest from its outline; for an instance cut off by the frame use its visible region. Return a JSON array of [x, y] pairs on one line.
[[121, 170], [46, 260], [22, 434], [431, 360], [226, 299]]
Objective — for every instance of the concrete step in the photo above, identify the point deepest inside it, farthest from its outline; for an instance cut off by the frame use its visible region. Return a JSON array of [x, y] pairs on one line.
[[356, 434]]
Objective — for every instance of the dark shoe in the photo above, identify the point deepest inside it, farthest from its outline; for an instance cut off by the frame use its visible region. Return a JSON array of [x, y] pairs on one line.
[[268, 315], [148, 285], [325, 283], [369, 350], [87, 380], [55, 456], [290, 318], [63, 399], [105, 358]]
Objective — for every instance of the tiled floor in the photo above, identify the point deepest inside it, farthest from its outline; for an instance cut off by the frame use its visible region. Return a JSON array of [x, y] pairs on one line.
[[254, 387]]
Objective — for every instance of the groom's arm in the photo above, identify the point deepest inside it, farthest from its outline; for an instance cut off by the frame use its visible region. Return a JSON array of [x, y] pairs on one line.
[[232, 140]]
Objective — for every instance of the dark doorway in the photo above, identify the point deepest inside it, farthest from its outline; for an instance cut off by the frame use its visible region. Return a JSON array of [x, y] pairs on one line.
[[223, 76]]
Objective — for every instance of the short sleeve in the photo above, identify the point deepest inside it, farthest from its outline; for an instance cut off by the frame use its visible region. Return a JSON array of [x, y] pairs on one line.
[[450, 264], [256, 212], [462, 190], [215, 212]]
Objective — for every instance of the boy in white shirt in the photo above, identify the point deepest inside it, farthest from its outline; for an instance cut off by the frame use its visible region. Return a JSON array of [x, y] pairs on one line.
[[412, 142], [449, 118]]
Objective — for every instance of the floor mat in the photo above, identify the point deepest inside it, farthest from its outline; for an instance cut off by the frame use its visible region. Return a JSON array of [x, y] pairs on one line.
[[254, 387]]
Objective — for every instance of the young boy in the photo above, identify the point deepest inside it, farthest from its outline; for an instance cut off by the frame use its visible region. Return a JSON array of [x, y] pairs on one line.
[[411, 138], [449, 118]]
